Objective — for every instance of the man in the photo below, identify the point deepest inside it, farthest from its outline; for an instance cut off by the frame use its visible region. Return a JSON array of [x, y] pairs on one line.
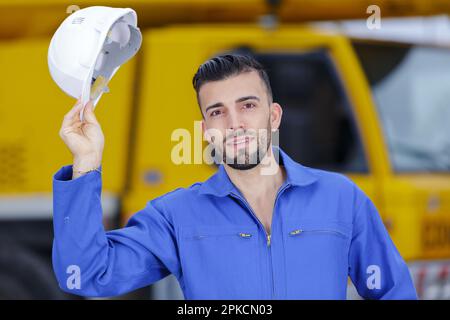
[[262, 227]]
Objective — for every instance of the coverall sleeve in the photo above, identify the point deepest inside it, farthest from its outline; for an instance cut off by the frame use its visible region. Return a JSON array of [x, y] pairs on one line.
[[89, 261], [375, 266]]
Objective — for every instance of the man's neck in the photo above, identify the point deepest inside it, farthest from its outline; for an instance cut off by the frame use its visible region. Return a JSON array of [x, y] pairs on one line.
[[259, 181]]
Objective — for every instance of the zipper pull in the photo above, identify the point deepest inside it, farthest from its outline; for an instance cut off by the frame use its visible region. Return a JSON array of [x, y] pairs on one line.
[[296, 232], [268, 240], [245, 235]]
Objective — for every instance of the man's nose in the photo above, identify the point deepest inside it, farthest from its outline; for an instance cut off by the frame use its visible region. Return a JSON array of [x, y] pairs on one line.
[[234, 121]]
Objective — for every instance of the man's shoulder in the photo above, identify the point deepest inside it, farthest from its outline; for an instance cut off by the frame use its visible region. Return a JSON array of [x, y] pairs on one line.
[[181, 193], [176, 205], [179, 198], [338, 183], [330, 179]]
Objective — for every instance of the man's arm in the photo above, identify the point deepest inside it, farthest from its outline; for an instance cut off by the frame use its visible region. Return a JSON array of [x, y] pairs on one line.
[[375, 266], [87, 260], [91, 262]]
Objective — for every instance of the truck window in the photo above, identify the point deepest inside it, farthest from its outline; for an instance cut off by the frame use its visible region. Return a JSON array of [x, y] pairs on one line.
[[318, 128], [411, 89]]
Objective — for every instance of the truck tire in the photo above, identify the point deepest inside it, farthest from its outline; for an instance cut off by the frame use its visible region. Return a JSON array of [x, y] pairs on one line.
[[24, 275]]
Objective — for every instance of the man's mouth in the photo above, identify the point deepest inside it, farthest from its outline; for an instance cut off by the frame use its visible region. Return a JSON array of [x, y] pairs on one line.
[[238, 141]]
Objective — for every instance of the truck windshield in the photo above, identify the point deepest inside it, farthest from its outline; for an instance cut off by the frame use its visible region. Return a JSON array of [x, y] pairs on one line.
[[411, 89]]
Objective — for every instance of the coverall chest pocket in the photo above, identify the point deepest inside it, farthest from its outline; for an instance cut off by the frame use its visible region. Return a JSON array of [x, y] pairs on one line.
[[220, 262], [319, 250]]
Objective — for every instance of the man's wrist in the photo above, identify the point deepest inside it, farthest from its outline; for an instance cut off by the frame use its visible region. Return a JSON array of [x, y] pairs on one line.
[[78, 173], [83, 166]]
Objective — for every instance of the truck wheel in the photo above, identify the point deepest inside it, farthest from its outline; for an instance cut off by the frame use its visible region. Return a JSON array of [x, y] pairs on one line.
[[24, 275]]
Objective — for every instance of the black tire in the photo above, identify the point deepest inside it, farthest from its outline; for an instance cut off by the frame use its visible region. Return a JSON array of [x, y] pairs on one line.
[[25, 275]]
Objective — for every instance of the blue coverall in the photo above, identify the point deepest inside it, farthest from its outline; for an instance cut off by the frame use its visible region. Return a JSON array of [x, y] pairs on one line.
[[324, 229]]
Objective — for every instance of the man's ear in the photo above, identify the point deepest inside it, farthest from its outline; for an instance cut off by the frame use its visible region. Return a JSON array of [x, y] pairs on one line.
[[276, 112]]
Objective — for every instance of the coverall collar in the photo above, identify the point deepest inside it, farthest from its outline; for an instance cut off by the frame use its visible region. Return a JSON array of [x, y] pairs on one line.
[[220, 184]]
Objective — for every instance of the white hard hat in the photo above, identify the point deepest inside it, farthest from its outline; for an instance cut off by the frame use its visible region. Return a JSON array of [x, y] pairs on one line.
[[89, 47]]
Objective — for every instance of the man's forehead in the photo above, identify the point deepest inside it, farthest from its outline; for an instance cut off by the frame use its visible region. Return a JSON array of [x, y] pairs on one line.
[[229, 89]]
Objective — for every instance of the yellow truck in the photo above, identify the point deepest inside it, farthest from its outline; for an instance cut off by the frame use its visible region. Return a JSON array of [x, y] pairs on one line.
[[374, 110]]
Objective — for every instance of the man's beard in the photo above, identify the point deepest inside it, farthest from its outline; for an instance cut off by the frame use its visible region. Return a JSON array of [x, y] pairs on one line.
[[243, 160]]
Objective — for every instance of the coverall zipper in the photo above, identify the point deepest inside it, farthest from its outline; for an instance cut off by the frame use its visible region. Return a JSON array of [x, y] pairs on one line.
[[268, 236]]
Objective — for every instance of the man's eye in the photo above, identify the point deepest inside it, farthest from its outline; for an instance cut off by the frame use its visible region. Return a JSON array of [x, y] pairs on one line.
[[214, 113], [249, 105]]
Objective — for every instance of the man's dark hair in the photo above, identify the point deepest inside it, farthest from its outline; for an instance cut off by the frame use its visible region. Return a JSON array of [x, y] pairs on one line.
[[224, 66]]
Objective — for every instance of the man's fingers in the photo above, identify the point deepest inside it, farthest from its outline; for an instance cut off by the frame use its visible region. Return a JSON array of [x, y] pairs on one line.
[[72, 119], [72, 115], [89, 113], [72, 112]]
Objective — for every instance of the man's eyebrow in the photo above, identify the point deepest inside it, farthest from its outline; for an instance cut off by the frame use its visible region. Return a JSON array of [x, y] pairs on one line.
[[220, 104], [247, 98]]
